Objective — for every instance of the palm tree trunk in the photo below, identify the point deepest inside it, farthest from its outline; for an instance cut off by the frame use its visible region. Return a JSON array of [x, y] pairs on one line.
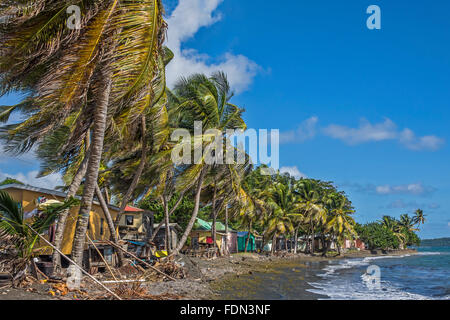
[[137, 175], [98, 135], [194, 213], [312, 238], [248, 235], [213, 226], [295, 240], [168, 241], [226, 251], [274, 243], [105, 189], [327, 245], [110, 223], [74, 186], [155, 232]]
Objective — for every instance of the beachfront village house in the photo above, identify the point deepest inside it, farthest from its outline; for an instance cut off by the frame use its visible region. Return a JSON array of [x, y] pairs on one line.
[[255, 242], [201, 237], [30, 198], [160, 237], [136, 224]]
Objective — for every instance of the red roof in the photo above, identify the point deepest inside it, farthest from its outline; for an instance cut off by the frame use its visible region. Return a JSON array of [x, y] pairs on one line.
[[132, 209]]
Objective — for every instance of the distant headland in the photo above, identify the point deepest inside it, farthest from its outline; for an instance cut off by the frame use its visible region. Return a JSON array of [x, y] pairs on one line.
[[440, 242]]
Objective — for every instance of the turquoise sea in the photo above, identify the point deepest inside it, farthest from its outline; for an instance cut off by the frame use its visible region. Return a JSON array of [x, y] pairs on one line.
[[423, 276]]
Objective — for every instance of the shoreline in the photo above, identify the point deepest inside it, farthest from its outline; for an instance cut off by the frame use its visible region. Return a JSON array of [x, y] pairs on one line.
[[217, 274], [209, 279]]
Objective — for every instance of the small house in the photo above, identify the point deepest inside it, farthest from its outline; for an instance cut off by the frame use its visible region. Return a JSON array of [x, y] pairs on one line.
[[135, 224], [201, 235], [160, 237], [30, 198]]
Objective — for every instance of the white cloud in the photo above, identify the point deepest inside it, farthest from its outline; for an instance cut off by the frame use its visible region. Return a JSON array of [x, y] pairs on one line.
[[293, 171], [48, 182], [413, 188], [409, 139], [386, 130], [305, 131], [400, 204], [364, 133], [184, 22]]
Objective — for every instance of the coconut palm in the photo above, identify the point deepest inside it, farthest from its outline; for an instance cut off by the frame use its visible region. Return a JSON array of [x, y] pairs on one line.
[[407, 222], [283, 204], [339, 222], [79, 76], [419, 217], [395, 227], [310, 206], [388, 222], [207, 100]]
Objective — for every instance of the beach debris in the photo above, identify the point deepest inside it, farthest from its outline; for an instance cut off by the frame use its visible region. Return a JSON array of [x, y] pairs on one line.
[[61, 288], [74, 264], [142, 261], [137, 291]]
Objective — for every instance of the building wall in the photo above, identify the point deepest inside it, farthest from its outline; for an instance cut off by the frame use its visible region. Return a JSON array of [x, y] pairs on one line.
[[202, 235], [28, 200], [232, 242], [137, 221]]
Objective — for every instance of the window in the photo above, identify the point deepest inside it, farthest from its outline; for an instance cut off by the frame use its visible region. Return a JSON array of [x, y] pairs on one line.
[[129, 220], [102, 221]]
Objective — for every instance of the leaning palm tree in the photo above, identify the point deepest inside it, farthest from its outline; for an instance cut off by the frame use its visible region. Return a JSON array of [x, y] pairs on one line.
[[388, 222], [206, 100], [395, 227], [102, 69], [407, 222], [24, 233], [419, 217]]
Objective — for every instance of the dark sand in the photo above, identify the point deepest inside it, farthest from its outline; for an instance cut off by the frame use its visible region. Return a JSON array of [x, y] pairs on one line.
[[239, 276]]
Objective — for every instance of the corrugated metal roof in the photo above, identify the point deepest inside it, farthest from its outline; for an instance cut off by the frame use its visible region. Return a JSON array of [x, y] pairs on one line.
[[201, 224], [46, 191], [133, 209]]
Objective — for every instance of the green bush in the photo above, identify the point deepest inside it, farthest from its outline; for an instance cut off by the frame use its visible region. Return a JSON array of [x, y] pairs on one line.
[[376, 236]]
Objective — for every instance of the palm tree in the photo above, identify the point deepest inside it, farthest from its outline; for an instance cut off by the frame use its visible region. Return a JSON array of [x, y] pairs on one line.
[[106, 69], [339, 222], [388, 222], [15, 229], [310, 206], [407, 222], [419, 217], [251, 205], [199, 98], [283, 204], [395, 227]]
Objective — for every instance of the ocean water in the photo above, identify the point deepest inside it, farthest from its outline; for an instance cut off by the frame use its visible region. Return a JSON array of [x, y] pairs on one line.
[[423, 276]]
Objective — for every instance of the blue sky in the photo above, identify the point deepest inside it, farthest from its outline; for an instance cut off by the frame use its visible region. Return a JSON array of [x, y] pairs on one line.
[[367, 109]]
